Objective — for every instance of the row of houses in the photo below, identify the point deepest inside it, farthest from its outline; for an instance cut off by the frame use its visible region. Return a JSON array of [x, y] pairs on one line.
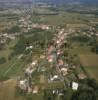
[[5, 36], [26, 24], [24, 83], [55, 54]]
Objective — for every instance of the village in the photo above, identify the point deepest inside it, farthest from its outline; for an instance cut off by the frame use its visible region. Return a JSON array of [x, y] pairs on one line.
[[49, 54], [54, 57]]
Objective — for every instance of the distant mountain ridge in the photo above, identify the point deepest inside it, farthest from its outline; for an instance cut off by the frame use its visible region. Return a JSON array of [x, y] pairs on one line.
[[57, 2]]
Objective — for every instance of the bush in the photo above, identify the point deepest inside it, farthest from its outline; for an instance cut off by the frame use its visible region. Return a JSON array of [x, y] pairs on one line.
[[80, 38], [1, 46], [2, 60], [14, 29], [19, 92]]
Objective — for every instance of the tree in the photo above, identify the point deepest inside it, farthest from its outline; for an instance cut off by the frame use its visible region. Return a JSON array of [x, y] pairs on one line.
[[84, 95], [90, 92], [13, 29], [95, 46], [92, 83], [48, 95], [1, 46]]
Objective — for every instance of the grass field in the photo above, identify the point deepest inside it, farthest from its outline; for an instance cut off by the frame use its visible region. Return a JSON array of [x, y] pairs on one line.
[[88, 60], [90, 64], [80, 49], [7, 90], [11, 67], [7, 21], [64, 18], [8, 49]]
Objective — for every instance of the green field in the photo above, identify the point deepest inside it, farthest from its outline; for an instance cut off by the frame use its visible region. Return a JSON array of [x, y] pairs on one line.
[[7, 21], [63, 18], [11, 67]]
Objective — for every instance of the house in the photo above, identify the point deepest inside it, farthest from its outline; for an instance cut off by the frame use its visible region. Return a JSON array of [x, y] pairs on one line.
[[60, 62], [82, 76], [50, 58], [58, 42], [34, 63], [59, 52], [35, 90], [42, 56], [29, 47], [29, 71], [54, 78], [51, 49], [75, 86], [64, 71], [23, 84]]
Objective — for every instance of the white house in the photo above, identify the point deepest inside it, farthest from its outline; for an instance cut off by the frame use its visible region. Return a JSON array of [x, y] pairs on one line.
[[75, 86]]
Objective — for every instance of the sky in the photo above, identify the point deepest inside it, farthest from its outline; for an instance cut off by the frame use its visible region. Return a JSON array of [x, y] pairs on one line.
[[82, 1]]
